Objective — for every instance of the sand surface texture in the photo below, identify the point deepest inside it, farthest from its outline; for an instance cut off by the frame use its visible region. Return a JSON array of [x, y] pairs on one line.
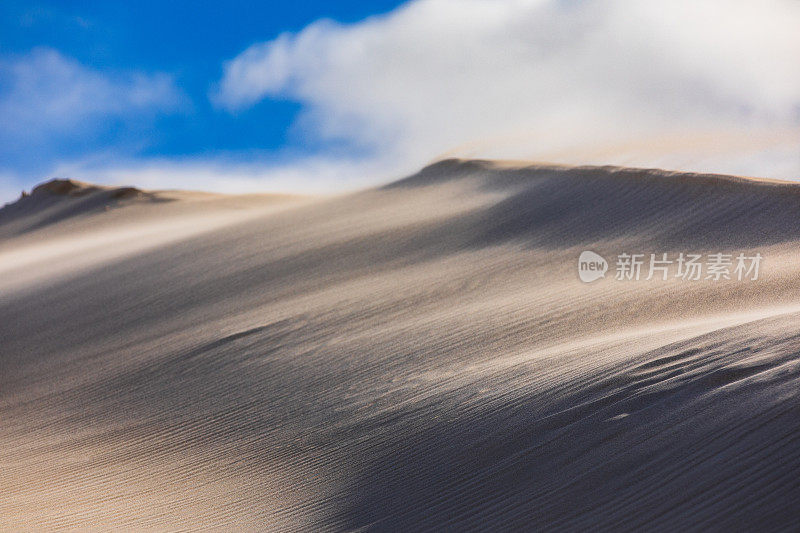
[[420, 356]]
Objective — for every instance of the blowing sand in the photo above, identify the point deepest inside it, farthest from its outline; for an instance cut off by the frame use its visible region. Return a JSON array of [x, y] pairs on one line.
[[419, 356]]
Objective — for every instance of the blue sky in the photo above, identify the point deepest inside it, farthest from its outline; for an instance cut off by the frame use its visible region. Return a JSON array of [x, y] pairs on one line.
[[186, 41], [328, 96]]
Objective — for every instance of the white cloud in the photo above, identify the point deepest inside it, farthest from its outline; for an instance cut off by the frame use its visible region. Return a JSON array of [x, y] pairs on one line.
[[710, 85], [46, 97], [547, 79]]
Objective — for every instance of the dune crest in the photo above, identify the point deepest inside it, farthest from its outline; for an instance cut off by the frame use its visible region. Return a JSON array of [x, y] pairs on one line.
[[421, 356], [59, 199]]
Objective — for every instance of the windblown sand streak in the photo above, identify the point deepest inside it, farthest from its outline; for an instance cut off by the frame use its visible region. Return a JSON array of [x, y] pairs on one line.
[[420, 356]]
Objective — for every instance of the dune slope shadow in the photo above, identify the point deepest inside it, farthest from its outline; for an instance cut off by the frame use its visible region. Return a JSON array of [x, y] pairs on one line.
[[700, 434]]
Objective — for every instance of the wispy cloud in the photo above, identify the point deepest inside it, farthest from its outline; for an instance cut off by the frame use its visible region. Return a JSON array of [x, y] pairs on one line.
[[46, 98], [708, 85], [536, 78]]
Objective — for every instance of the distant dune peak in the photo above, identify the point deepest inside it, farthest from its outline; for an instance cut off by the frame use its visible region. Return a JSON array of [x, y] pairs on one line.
[[59, 199], [64, 187], [75, 188]]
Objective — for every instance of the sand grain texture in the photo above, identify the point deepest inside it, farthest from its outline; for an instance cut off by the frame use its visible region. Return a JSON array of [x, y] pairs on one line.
[[416, 357]]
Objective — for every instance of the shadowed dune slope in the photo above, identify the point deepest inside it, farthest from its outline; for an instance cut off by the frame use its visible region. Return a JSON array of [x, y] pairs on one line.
[[421, 356]]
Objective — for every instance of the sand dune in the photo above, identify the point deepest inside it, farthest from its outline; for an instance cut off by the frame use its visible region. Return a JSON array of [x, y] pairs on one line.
[[420, 356]]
